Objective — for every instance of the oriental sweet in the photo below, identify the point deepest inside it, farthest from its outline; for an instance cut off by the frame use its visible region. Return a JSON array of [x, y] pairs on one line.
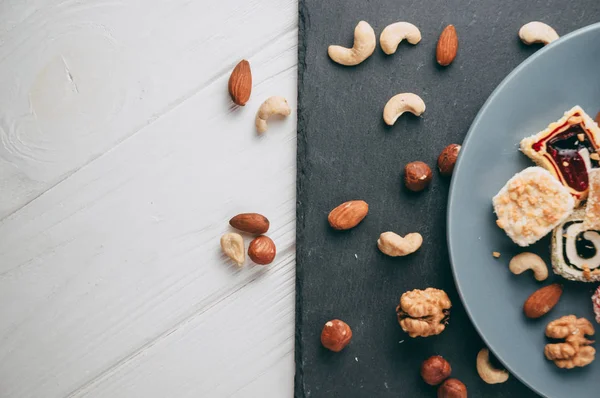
[[567, 149], [531, 205], [576, 250]]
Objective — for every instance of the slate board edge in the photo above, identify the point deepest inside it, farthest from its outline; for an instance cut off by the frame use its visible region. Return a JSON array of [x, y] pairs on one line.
[[303, 23]]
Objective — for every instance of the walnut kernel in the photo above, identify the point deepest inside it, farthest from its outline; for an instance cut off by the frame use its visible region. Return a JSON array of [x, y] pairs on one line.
[[576, 350], [423, 313]]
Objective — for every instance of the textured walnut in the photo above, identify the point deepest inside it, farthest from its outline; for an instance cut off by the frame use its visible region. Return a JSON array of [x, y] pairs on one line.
[[423, 313], [417, 176], [576, 350]]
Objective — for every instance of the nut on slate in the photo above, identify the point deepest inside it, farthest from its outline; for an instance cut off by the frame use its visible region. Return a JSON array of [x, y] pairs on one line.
[[486, 371], [452, 388], [417, 176], [336, 335], [401, 103], [252, 223], [447, 159], [240, 83], [262, 250], [542, 301], [537, 32], [232, 245], [447, 46], [393, 34], [424, 313], [435, 369], [348, 214], [363, 47], [395, 245]]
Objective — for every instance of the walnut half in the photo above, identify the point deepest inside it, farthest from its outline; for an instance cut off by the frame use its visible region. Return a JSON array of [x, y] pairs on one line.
[[423, 313], [576, 350]]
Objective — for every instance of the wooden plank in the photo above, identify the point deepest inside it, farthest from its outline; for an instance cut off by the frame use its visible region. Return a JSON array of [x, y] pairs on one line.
[[246, 336], [80, 77], [119, 263]]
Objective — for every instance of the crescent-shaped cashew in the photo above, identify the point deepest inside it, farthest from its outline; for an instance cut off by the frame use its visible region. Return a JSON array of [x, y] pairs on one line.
[[400, 103], [272, 106], [394, 245], [524, 261], [393, 34], [488, 373], [537, 32], [364, 45]]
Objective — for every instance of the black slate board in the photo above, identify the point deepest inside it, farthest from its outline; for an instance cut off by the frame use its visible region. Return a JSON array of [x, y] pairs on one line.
[[345, 151]]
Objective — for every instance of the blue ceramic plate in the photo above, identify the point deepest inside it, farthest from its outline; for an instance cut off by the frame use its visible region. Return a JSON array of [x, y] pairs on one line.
[[559, 76]]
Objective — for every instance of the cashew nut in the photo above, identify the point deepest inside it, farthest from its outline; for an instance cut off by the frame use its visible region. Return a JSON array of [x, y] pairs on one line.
[[394, 245], [537, 32], [272, 106], [400, 103], [364, 45], [393, 34], [524, 261], [488, 373]]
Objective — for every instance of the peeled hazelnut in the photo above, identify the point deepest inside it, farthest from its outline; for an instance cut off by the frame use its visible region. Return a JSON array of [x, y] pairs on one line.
[[417, 176], [435, 370], [452, 388], [447, 159], [262, 250], [336, 335]]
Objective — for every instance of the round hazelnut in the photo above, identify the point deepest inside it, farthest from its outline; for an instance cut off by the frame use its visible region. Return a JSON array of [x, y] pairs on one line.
[[336, 335], [417, 176], [435, 370], [452, 388], [262, 250], [447, 159]]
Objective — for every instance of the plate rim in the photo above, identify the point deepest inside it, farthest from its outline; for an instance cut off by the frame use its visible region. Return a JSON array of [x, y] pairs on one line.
[[475, 124]]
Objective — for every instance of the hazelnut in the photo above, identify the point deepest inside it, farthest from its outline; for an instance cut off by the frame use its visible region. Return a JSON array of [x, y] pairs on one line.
[[262, 250], [336, 335], [447, 159], [452, 388], [435, 370], [417, 176]]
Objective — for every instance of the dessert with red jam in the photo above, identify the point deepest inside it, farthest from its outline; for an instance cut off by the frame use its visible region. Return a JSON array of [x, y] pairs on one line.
[[568, 149]]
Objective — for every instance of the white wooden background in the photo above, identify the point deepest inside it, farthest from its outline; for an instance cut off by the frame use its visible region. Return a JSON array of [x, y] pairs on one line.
[[122, 159]]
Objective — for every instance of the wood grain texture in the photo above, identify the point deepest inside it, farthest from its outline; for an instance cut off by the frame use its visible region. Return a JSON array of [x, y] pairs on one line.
[[121, 160]]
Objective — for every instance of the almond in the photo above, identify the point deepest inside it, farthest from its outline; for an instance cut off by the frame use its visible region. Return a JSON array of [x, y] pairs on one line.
[[233, 247], [542, 301], [262, 250], [447, 46], [348, 215], [240, 83], [252, 223]]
